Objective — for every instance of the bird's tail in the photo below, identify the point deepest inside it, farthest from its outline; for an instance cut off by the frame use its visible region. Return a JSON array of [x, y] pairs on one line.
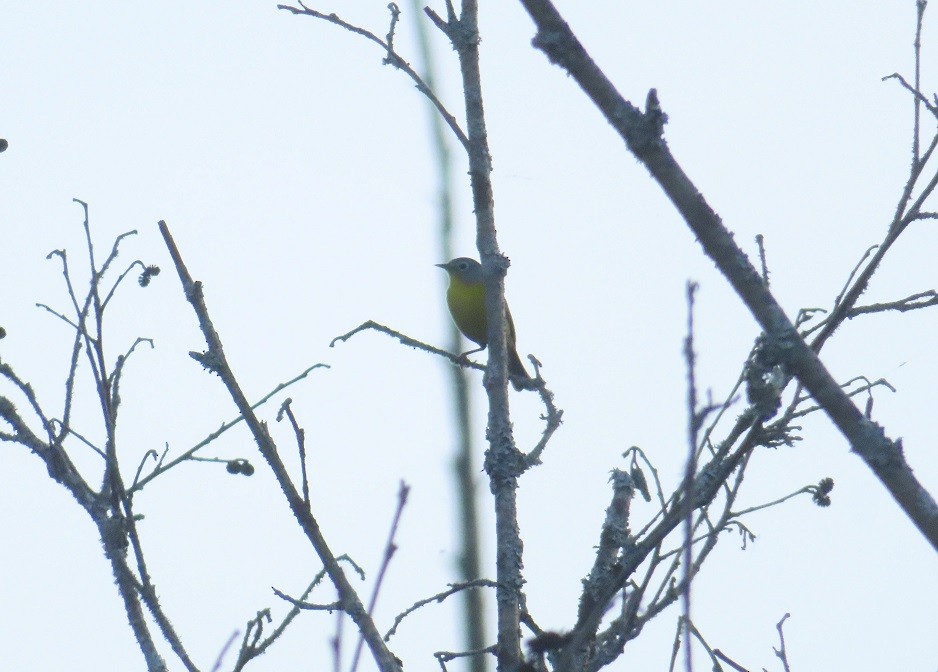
[[517, 374]]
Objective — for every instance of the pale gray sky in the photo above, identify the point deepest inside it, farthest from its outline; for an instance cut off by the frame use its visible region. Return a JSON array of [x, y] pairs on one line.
[[295, 173]]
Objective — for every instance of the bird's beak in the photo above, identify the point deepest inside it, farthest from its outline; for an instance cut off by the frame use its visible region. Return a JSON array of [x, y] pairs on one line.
[[443, 266]]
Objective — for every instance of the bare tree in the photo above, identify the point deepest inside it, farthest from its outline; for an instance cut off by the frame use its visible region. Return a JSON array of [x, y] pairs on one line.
[[643, 564]]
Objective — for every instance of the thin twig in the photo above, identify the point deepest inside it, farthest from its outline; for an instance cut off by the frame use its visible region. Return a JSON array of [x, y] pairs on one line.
[[391, 58], [453, 589], [459, 360], [188, 454], [760, 242], [390, 548], [732, 663], [781, 653], [300, 434]]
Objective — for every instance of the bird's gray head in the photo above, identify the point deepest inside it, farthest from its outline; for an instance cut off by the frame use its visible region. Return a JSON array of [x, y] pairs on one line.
[[465, 269]]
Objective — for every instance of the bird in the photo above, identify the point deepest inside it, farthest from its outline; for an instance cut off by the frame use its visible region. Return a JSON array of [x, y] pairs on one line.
[[466, 300]]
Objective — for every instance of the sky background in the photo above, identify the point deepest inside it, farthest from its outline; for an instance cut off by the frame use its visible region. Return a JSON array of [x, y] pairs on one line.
[[296, 174]]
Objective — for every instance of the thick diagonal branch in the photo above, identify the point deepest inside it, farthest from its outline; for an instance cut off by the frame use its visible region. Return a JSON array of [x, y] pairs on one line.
[[642, 132]]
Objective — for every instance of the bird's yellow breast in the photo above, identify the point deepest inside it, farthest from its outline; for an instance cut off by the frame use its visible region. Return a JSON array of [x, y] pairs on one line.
[[467, 305]]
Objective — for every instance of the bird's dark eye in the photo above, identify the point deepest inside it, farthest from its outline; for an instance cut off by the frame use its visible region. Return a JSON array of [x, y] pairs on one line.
[[463, 265]]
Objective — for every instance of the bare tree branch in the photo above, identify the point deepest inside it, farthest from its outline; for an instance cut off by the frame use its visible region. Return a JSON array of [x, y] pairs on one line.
[[214, 359], [642, 132]]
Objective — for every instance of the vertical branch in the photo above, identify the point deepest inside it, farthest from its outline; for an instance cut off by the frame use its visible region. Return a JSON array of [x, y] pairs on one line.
[[95, 351], [693, 424], [464, 463], [917, 45], [115, 519], [780, 652], [503, 461]]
